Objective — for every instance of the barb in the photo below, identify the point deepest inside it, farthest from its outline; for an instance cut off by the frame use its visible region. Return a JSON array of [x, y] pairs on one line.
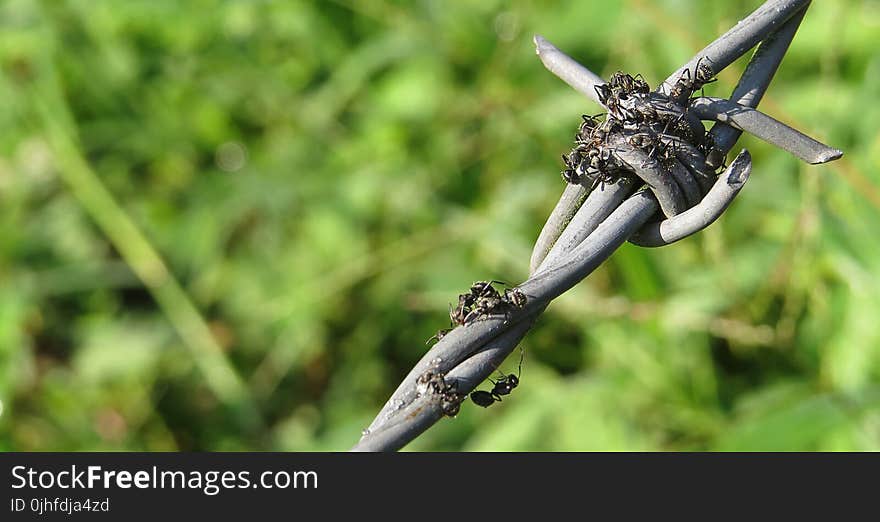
[[739, 39], [768, 129], [568, 69], [755, 80], [586, 227]]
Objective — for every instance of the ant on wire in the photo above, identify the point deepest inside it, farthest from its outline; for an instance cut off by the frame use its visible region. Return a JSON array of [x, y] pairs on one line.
[[503, 386]]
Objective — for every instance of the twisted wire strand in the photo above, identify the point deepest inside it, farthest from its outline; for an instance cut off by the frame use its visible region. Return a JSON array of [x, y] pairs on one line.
[[719, 54], [586, 227], [754, 82]]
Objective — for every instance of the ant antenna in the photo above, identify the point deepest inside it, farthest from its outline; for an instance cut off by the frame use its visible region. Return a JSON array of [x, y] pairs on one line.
[[522, 353]]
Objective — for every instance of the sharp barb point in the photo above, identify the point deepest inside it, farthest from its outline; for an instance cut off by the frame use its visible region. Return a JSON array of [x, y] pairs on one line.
[[828, 156]]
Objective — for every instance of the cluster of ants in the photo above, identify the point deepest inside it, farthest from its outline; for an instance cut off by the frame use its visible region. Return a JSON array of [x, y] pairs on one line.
[[654, 122], [435, 383], [480, 301], [483, 300]]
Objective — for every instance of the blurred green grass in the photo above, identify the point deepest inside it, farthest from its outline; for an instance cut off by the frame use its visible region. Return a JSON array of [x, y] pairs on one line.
[[231, 225]]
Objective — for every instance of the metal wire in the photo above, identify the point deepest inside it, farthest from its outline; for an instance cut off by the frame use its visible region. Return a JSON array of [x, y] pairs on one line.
[[586, 227]]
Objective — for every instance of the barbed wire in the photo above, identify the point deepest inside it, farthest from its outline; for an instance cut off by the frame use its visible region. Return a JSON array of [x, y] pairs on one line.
[[646, 174]]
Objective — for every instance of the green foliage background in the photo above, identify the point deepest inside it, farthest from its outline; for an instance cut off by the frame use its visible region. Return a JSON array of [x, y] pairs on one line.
[[232, 225]]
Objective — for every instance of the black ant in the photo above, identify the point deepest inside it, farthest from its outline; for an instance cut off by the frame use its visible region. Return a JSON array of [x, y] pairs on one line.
[[609, 97], [493, 302], [514, 297], [503, 386], [626, 84], [587, 127], [604, 94], [485, 289], [686, 86], [481, 299], [458, 314], [487, 300], [715, 159], [591, 162], [703, 74], [484, 306], [435, 383]]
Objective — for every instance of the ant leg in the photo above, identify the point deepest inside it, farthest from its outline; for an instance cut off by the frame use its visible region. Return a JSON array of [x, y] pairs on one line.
[[472, 316]]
